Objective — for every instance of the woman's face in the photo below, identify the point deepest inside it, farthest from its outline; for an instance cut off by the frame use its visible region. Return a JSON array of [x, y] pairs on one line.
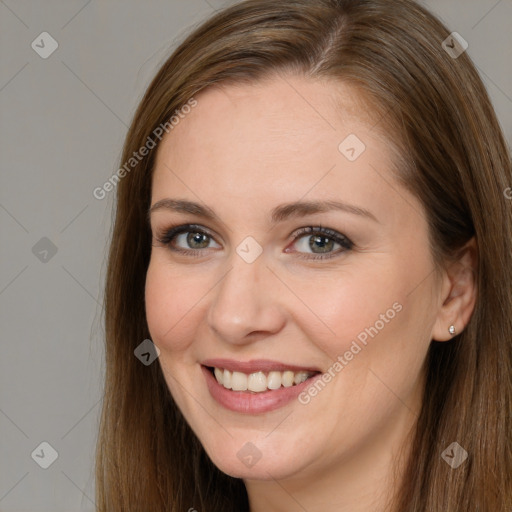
[[251, 289]]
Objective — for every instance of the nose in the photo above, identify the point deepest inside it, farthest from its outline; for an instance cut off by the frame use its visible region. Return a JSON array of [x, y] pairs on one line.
[[245, 305]]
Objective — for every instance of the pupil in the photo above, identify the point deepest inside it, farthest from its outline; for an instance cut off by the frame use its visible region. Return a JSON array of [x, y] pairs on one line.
[[321, 243]]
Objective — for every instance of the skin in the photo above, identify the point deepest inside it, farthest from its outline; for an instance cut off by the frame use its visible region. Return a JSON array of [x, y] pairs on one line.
[[242, 151]]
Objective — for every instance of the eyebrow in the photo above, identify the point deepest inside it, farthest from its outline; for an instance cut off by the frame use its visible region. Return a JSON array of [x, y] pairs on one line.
[[279, 213]]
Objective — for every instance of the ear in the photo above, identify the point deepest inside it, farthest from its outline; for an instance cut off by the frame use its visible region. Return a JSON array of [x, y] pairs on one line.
[[458, 293]]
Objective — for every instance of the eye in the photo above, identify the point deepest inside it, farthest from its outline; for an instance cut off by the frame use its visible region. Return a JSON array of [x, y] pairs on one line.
[[187, 239], [321, 241]]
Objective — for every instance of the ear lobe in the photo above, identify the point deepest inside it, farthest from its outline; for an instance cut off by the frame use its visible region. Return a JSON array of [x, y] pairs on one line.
[[458, 304]]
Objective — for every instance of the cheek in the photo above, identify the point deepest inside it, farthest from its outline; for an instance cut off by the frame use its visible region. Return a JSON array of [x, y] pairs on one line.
[[173, 301], [370, 314], [363, 335], [341, 305], [376, 353]]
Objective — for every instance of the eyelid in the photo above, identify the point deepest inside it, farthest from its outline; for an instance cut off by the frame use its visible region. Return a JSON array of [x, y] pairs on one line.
[[340, 237], [166, 235]]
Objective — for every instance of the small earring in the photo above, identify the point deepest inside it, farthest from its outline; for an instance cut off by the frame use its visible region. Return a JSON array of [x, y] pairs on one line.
[[451, 330]]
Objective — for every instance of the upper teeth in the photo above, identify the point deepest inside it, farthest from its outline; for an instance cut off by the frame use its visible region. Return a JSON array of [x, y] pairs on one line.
[[259, 381]]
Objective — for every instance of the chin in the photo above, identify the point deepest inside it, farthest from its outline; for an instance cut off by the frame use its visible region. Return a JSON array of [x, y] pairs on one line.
[[255, 460]]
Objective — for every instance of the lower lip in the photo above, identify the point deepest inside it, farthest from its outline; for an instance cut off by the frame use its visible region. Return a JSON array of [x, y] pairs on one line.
[[253, 403]]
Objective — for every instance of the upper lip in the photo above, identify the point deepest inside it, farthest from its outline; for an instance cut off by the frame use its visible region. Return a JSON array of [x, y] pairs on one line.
[[256, 365]]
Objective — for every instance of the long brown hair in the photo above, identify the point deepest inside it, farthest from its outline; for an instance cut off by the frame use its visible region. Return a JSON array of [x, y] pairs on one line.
[[453, 156]]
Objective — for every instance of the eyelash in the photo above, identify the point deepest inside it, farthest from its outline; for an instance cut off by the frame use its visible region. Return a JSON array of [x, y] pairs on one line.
[[167, 237]]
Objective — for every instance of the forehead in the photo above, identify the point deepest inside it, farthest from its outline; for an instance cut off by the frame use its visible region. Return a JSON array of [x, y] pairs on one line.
[[283, 108], [256, 143]]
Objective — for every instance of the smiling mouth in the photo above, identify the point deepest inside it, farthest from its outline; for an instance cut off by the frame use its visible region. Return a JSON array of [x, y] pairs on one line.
[[259, 382]]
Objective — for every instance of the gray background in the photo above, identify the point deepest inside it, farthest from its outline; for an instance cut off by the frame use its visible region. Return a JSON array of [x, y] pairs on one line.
[[62, 124]]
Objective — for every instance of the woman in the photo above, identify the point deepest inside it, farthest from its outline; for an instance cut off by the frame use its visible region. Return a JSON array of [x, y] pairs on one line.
[[315, 240]]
